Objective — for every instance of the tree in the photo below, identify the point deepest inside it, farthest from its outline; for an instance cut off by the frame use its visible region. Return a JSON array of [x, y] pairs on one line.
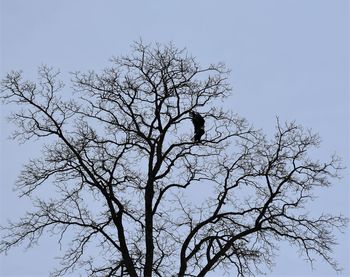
[[121, 161]]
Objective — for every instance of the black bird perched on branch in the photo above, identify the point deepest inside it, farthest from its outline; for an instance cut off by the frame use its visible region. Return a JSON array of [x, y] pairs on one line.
[[198, 123]]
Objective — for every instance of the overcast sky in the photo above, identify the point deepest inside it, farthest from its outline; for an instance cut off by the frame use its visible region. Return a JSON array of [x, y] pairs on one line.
[[288, 59]]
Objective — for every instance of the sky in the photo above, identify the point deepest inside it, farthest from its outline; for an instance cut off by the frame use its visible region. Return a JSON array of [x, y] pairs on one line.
[[288, 59]]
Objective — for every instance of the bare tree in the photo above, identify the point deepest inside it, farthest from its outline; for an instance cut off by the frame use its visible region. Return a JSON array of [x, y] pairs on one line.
[[124, 168]]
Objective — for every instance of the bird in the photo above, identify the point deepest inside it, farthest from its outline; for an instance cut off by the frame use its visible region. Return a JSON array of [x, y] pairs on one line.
[[198, 123]]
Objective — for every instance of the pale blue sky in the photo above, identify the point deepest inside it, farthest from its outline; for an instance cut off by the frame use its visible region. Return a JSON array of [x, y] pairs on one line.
[[288, 58]]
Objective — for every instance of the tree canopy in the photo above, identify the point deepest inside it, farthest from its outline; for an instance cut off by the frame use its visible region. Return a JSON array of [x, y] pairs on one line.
[[129, 179]]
